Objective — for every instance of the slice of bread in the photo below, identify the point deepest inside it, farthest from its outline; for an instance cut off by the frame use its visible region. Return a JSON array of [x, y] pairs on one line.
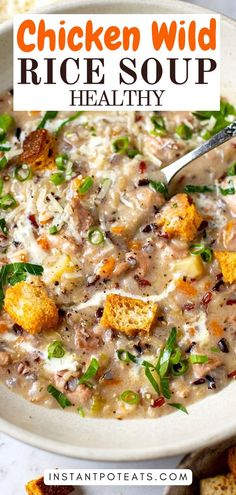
[[128, 315], [220, 485], [232, 460], [37, 487]]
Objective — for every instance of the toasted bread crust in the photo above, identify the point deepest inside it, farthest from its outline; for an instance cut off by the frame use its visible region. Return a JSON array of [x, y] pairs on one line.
[[37, 487], [128, 315], [220, 485], [38, 150], [227, 261], [30, 307], [180, 218]]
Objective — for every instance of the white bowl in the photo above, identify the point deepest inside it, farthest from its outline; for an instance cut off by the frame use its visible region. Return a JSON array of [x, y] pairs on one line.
[[210, 420]]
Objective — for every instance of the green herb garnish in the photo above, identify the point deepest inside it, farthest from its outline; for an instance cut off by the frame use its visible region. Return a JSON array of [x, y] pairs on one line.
[[151, 378], [221, 118], [206, 253], [53, 230], [3, 226], [23, 172], [232, 170], [57, 179], [95, 236], [120, 145], [56, 350], [164, 360], [7, 201], [184, 131], [50, 115], [61, 161], [165, 387], [227, 191], [190, 188], [85, 185], [159, 187], [3, 162], [178, 406], [5, 148], [159, 125], [198, 359], [130, 397], [59, 396], [6, 123], [179, 368], [126, 356], [90, 372]]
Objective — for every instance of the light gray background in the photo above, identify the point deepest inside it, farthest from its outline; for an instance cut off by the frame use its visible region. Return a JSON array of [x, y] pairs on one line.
[[20, 463]]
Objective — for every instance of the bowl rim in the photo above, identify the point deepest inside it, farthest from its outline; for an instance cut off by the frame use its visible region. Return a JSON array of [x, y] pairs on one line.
[[103, 454]]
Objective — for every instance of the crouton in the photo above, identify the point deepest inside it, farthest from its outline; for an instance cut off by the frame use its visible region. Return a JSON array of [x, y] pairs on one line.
[[232, 460], [29, 306], [128, 315], [38, 150], [222, 485], [37, 487], [180, 218], [227, 261]]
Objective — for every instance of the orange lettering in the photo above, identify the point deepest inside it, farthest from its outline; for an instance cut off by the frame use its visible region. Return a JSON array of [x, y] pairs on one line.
[[21, 34], [75, 31], [163, 35], [46, 33], [210, 33], [127, 33], [110, 38], [93, 37]]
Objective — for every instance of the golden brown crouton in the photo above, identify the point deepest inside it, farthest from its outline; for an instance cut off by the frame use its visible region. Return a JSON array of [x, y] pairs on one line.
[[30, 307], [227, 260], [232, 460], [128, 315], [220, 485], [37, 487], [38, 150], [180, 218]]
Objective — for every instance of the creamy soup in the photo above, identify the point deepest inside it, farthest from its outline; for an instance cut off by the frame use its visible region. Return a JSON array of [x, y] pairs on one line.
[[117, 295]]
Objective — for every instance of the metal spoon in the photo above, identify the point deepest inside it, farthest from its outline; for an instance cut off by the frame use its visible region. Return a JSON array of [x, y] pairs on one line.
[[221, 137]]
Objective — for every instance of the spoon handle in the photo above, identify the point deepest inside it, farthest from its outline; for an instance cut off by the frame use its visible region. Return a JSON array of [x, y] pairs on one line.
[[221, 137]]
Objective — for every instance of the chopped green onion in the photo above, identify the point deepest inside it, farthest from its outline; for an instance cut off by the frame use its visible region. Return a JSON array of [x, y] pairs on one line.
[[7, 202], [81, 412], [90, 372], [190, 188], [5, 148], [227, 191], [130, 397], [56, 350], [126, 356], [159, 187], [232, 170], [70, 119], [184, 131], [23, 172], [47, 116], [165, 387], [198, 359], [53, 230], [85, 185], [175, 356], [120, 145], [214, 349], [61, 161], [95, 236], [220, 116], [57, 178], [151, 379], [3, 226], [164, 361], [6, 123], [131, 153], [1, 185], [159, 125], [3, 162], [205, 252], [178, 406], [59, 396], [179, 368]]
